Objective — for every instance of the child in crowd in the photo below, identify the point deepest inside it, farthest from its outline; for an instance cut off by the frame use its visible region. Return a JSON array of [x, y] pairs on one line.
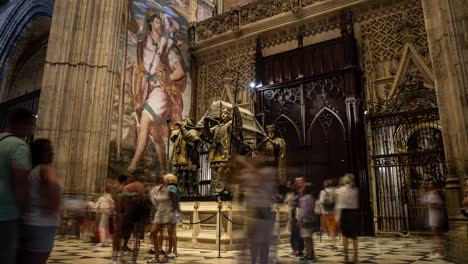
[[171, 181], [104, 207], [307, 221]]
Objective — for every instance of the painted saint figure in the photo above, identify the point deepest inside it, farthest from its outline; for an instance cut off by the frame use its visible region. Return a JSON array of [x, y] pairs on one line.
[[275, 147], [185, 156], [224, 137], [160, 82]]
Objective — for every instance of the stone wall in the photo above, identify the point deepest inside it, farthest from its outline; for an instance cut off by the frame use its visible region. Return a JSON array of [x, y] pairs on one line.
[[447, 26], [83, 66]]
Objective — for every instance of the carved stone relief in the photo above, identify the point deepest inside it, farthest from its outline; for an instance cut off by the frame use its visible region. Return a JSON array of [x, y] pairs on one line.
[[263, 9], [218, 78], [248, 14], [395, 52]]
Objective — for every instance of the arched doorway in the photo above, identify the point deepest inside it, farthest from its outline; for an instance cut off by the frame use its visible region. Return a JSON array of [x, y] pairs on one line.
[[408, 154], [24, 39], [327, 146]]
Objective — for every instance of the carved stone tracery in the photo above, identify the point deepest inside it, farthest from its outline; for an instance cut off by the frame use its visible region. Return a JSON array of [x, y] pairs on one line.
[[395, 45], [248, 14], [220, 74]]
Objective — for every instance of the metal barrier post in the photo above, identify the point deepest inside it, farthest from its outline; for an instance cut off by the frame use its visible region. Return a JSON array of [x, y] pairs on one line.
[[220, 205]]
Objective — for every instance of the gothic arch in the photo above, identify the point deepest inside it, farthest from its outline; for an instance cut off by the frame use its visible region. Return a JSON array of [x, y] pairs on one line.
[[323, 112], [296, 128], [22, 23]]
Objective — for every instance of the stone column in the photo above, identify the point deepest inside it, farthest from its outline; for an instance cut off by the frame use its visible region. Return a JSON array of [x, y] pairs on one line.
[[82, 66], [447, 29]]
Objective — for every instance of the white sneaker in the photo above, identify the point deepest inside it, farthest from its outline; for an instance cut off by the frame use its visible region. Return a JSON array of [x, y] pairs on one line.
[[171, 255]]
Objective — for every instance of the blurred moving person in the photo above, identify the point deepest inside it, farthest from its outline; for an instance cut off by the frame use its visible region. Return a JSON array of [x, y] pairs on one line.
[[308, 221], [15, 163], [132, 209], [347, 214], [260, 176], [165, 205], [436, 216], [42, 218], [171, 182], [297, 243], [327, 210], [105, 207]]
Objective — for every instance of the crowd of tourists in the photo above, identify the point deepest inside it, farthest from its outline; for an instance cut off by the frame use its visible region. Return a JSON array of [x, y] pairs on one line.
[[30, 198], [30, 193], [336, 209]]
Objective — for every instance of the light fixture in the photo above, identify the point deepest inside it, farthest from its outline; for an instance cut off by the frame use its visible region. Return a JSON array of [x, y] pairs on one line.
[[252, 84]]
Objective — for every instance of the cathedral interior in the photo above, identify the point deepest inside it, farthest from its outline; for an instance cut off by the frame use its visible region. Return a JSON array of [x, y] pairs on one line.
[[140, 88]]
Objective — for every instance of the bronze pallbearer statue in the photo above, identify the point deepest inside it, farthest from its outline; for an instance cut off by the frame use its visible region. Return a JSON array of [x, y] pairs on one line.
[[275, 147], [185, 157], [224, 137]]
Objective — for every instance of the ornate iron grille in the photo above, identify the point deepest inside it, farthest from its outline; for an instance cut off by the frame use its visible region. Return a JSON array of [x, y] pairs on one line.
[[407, 153], [205, 171]]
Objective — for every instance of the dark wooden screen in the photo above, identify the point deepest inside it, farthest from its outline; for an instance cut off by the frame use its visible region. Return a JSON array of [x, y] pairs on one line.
[[312, 94]]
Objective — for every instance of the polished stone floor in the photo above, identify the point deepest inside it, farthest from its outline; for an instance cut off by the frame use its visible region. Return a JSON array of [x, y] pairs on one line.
[[372, 250]]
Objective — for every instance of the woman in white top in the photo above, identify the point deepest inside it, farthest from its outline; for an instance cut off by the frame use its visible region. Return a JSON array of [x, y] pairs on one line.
[[41, 220], [165, 204], [347, 213]]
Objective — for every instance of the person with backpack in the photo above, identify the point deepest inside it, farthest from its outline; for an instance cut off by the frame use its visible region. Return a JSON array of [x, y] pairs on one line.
[[327, 210], [15, 164]]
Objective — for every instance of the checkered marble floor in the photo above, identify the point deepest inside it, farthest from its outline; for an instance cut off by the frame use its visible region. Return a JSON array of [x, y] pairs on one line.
[[372, 250]]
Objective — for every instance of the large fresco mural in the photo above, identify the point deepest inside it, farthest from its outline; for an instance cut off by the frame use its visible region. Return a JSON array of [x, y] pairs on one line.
[[157, 88]]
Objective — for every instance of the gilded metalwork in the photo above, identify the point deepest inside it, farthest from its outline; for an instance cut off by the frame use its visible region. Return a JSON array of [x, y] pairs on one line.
[[225, 137], [185, 156]]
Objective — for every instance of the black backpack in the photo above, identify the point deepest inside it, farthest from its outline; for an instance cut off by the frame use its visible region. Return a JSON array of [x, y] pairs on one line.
[[329, 200]]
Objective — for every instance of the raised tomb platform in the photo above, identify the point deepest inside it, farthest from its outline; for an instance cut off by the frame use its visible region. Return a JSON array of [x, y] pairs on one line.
[[202, 223]]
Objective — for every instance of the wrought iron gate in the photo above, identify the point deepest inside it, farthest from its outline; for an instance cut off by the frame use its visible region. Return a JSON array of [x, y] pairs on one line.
[[407, 153]]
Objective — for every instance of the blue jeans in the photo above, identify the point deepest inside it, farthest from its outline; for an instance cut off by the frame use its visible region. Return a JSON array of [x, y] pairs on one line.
[[37, 238], [297, 243], [9, 241]]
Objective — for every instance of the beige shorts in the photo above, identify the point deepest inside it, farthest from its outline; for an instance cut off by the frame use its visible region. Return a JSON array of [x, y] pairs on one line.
[[164, 218]]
